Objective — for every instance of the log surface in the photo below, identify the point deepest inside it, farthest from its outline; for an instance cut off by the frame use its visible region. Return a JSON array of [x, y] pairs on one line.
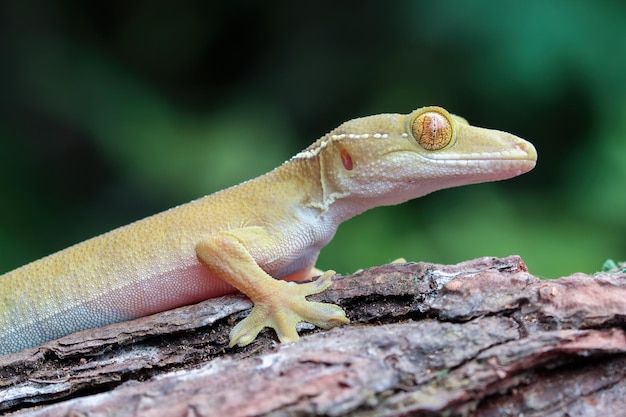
[[480, 338]]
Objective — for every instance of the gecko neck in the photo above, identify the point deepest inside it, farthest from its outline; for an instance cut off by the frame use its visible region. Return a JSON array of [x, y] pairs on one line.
[[318, 191]]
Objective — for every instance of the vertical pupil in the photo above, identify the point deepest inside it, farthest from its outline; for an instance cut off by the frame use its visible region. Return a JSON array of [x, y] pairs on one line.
[[433, 127]]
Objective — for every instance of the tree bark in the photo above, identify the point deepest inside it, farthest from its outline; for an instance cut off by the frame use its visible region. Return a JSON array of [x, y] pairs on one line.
[[481, 338]]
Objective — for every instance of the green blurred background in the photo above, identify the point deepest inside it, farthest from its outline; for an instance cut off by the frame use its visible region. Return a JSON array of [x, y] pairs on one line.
[[112, 111]]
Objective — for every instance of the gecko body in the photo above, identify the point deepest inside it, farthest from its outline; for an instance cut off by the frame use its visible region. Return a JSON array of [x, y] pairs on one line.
[[256, 237]]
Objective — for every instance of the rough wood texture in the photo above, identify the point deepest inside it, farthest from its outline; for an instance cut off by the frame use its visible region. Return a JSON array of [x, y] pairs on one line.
[[481, 338]]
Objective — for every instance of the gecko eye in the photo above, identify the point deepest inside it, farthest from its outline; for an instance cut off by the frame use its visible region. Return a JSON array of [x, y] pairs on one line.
[[432, 130]]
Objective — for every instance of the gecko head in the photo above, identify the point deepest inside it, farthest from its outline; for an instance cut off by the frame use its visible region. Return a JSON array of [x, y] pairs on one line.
[[391, 158]]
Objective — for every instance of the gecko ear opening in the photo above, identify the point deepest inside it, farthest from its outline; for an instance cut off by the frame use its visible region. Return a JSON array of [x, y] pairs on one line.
[[432, 128]]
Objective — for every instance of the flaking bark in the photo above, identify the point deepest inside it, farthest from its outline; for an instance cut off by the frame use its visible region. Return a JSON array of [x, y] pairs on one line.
[[481, 338]]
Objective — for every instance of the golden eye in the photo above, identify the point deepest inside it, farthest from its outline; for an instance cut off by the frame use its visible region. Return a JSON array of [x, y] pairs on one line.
[[432, 130]]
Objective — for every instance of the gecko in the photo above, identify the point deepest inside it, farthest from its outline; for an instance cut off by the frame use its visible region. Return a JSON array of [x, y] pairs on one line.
[[259, 237]]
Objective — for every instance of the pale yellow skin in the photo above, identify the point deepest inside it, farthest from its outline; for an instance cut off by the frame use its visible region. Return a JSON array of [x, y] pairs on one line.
[[243, 237]]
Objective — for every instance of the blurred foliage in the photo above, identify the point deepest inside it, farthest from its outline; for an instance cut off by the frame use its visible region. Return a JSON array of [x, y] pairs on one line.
[[111, 111]]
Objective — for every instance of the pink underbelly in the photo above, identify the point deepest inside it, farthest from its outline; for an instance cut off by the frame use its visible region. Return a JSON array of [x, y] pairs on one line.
[[165, 291]]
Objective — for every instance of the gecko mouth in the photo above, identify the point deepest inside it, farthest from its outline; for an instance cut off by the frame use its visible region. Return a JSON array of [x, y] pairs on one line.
[[528, 154], [493, 164], [482, 157], [515, 161]]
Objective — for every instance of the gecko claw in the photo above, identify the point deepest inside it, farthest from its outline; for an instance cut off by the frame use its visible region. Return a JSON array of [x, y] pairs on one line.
[[284, 311]]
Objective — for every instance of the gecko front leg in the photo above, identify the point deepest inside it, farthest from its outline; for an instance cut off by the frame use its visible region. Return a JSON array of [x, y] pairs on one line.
[[278, 304]]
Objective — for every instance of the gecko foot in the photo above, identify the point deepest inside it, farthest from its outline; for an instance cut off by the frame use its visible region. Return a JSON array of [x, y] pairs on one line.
[[285, 309]]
